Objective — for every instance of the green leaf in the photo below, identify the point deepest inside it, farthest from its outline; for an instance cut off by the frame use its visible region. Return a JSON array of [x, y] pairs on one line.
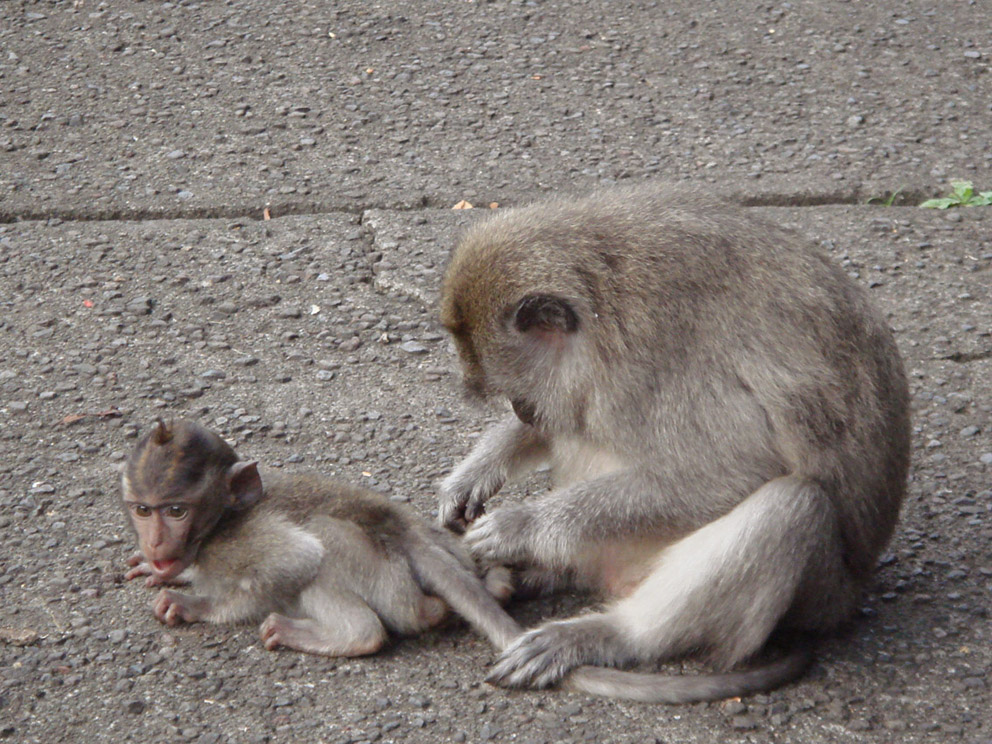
[[939, 203], [963, 190]]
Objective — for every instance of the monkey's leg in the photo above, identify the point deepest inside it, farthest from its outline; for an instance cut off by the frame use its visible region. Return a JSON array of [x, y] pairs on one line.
[[723, 588], [339, 624], [505, 450]]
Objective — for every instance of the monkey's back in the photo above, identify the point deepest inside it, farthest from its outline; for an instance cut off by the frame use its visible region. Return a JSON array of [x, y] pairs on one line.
[[306, 497]]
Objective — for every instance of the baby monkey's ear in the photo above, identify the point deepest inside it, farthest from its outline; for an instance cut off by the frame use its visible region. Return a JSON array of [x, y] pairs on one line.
[[244, 484]]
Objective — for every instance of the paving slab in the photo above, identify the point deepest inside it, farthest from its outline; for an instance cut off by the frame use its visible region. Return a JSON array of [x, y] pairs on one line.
[[198, 109], [310, 341]]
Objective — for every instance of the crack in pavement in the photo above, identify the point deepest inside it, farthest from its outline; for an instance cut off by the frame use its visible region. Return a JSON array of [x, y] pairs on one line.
[[907, 198]]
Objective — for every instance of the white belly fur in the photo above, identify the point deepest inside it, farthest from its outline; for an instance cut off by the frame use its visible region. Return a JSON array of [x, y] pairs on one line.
[[576, 460], [613, 568]]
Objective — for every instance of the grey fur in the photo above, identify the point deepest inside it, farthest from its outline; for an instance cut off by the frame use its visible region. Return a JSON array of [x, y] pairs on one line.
[[725, 414]]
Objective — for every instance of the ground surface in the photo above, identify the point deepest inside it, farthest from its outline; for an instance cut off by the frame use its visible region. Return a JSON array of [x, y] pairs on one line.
[[140, 143]]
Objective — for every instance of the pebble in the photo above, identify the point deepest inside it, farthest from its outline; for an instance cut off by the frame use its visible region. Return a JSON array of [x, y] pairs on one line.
[[743, 723], [135, 707], [734, 707], [413, 347], [140, 306]]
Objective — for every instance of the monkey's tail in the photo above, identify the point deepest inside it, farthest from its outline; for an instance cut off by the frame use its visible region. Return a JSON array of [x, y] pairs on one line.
[[442, 574], [660, 688]]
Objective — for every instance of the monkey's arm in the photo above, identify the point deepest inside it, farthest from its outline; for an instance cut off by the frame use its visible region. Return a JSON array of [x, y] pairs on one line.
[[505, 450], [551, 530]]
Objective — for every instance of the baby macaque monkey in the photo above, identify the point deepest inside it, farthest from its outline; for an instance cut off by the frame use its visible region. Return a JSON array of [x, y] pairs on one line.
[[327, 567], [725, 417]]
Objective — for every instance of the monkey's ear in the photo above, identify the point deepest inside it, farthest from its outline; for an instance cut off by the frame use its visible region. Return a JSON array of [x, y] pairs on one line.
[[244, 484], [162, 434], [545, 313]]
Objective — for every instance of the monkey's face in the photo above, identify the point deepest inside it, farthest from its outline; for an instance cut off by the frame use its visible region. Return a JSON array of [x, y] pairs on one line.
[[163, 532], [527, 353], [518, 311], [176, 487]]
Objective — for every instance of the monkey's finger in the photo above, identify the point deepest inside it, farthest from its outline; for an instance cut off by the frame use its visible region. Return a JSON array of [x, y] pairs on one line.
[[270, 638], [451, 514], [136, 558], [160, 605], [269, 632], [474, 508]]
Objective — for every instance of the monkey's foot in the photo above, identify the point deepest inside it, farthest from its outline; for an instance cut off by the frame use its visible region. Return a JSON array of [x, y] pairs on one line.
[[305, 634], [543, 656], [499, 583], [432, 611]]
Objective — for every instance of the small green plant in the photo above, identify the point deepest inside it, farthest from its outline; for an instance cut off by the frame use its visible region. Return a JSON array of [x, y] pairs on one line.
[[962, 195], [887, 201]]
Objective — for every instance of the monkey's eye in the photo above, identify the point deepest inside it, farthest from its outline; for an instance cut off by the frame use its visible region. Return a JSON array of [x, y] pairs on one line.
[[140, 510], [176, 512]]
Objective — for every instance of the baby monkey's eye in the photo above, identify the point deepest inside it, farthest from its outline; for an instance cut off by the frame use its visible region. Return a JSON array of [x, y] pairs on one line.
[[176, 511], [140, 510]]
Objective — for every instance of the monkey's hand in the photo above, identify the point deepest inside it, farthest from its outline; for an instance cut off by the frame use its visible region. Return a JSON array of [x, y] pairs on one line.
[[463, 494], [543, 656], [505, 536], [172, 607], [141, 567]]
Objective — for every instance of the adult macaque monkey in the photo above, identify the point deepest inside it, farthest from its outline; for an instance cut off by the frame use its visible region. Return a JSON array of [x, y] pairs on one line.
[[330, 567], [726, 420]]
